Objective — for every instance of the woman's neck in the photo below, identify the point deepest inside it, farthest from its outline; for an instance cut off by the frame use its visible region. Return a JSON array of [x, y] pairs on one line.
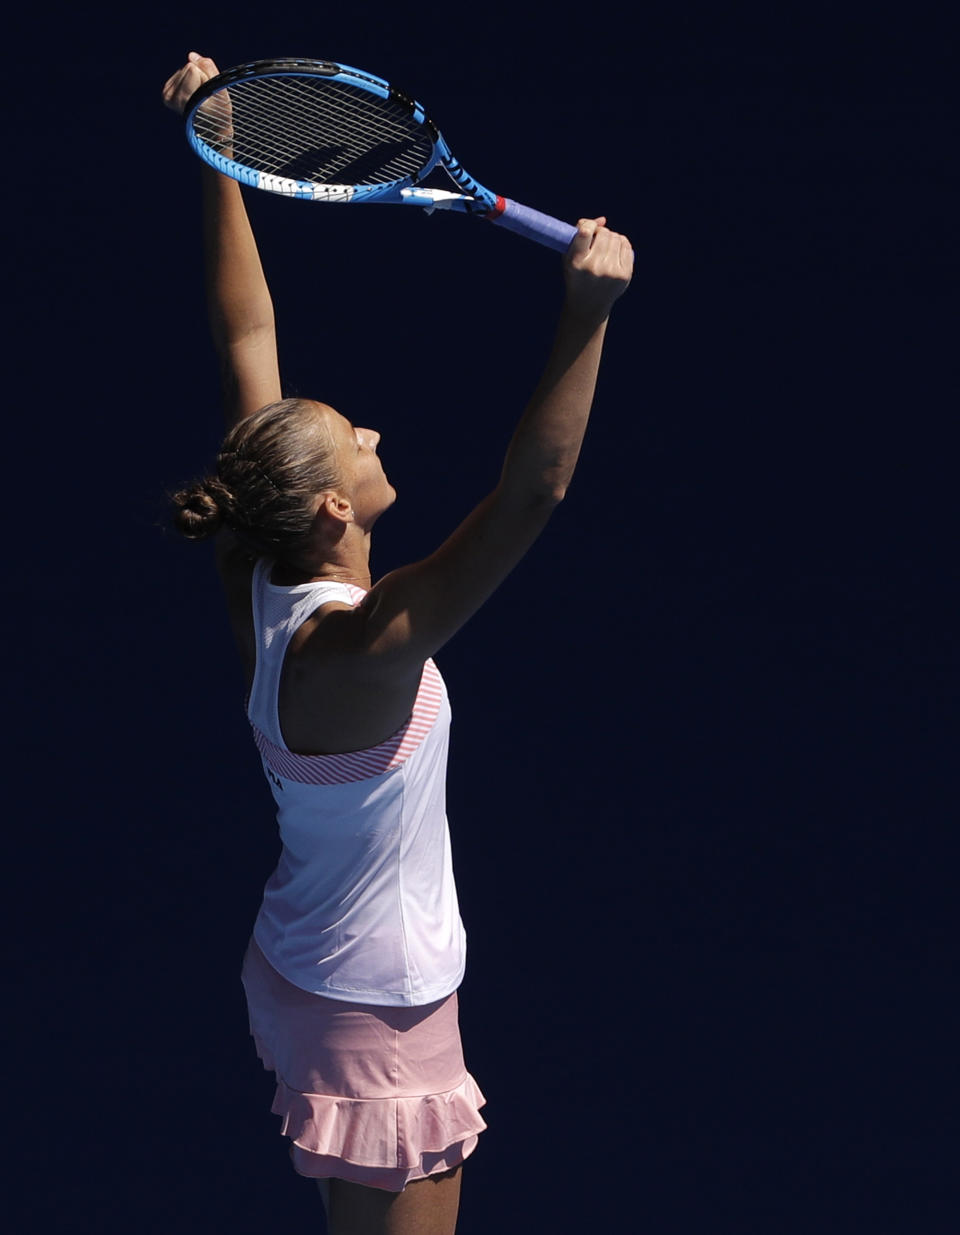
[[346, 562]]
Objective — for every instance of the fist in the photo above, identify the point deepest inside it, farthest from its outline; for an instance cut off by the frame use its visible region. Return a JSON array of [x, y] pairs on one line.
[[181, 85], [598, 266]]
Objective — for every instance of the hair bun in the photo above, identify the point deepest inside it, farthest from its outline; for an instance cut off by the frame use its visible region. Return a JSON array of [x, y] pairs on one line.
[[197, 511]]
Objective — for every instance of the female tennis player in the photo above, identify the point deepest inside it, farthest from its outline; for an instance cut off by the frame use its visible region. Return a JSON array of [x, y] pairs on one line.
[[358, 949]]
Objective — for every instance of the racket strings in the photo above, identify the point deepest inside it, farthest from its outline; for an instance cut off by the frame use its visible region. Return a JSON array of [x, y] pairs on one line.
[[308, 128]]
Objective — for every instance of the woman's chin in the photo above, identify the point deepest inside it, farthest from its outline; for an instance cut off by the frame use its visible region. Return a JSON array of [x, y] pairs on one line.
[[367, 524]]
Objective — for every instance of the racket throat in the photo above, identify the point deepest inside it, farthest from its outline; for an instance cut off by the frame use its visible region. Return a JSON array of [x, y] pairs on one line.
[[442, 199]]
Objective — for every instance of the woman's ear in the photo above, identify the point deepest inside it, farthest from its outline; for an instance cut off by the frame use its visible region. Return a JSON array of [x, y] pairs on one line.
[[336, 507], [334, 515]]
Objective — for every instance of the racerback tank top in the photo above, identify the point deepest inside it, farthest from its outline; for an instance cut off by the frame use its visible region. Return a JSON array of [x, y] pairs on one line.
[[362, 905]]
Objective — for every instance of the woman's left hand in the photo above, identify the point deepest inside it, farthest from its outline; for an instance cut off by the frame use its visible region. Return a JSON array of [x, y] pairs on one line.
[[181, 85]]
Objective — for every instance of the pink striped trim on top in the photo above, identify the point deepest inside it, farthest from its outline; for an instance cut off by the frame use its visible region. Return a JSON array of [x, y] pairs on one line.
[[361, 764], [356, 593]]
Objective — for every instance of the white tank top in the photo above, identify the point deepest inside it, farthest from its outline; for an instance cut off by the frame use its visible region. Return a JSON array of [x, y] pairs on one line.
[[362, 905]]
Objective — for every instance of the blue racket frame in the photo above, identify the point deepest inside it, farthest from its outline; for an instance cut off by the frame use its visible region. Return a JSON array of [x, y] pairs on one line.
[[474, 198]]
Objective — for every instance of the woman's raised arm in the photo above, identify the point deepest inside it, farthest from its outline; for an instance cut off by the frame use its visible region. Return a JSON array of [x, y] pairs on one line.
[[238, 298], [412, 612]]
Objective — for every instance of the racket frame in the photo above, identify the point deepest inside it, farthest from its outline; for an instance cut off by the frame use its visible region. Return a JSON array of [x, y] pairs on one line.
[[473, 198]]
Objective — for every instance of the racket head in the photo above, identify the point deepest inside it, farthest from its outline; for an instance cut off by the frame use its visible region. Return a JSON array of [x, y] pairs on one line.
[[312, 129]]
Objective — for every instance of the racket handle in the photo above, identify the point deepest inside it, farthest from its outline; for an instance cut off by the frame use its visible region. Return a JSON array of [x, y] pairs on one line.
[[542, 228]]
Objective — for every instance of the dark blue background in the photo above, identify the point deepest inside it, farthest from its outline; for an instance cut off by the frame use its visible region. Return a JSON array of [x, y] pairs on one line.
[[702, 787]]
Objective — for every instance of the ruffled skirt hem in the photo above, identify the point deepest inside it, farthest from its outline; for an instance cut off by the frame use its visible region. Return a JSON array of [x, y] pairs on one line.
[[396, 1133], [389, 1179]]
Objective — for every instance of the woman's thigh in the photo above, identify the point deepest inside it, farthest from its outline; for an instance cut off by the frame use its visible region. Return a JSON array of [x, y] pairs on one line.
[[425, 1207]]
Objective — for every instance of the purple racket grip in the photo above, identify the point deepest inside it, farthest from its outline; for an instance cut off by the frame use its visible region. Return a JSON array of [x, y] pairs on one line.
[[554, 233]]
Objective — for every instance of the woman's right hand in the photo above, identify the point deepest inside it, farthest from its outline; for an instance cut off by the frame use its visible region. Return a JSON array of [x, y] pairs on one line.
[[597, 268]]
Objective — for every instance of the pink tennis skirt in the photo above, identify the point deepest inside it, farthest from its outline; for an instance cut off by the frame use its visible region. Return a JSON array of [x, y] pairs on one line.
[[375, 1095]]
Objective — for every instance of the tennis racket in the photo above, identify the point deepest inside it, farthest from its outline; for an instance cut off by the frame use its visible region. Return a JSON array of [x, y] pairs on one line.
[[329, 133]]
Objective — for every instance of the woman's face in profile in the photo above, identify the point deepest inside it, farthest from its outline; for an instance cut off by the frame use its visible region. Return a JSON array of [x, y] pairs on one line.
[[359, 465]]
